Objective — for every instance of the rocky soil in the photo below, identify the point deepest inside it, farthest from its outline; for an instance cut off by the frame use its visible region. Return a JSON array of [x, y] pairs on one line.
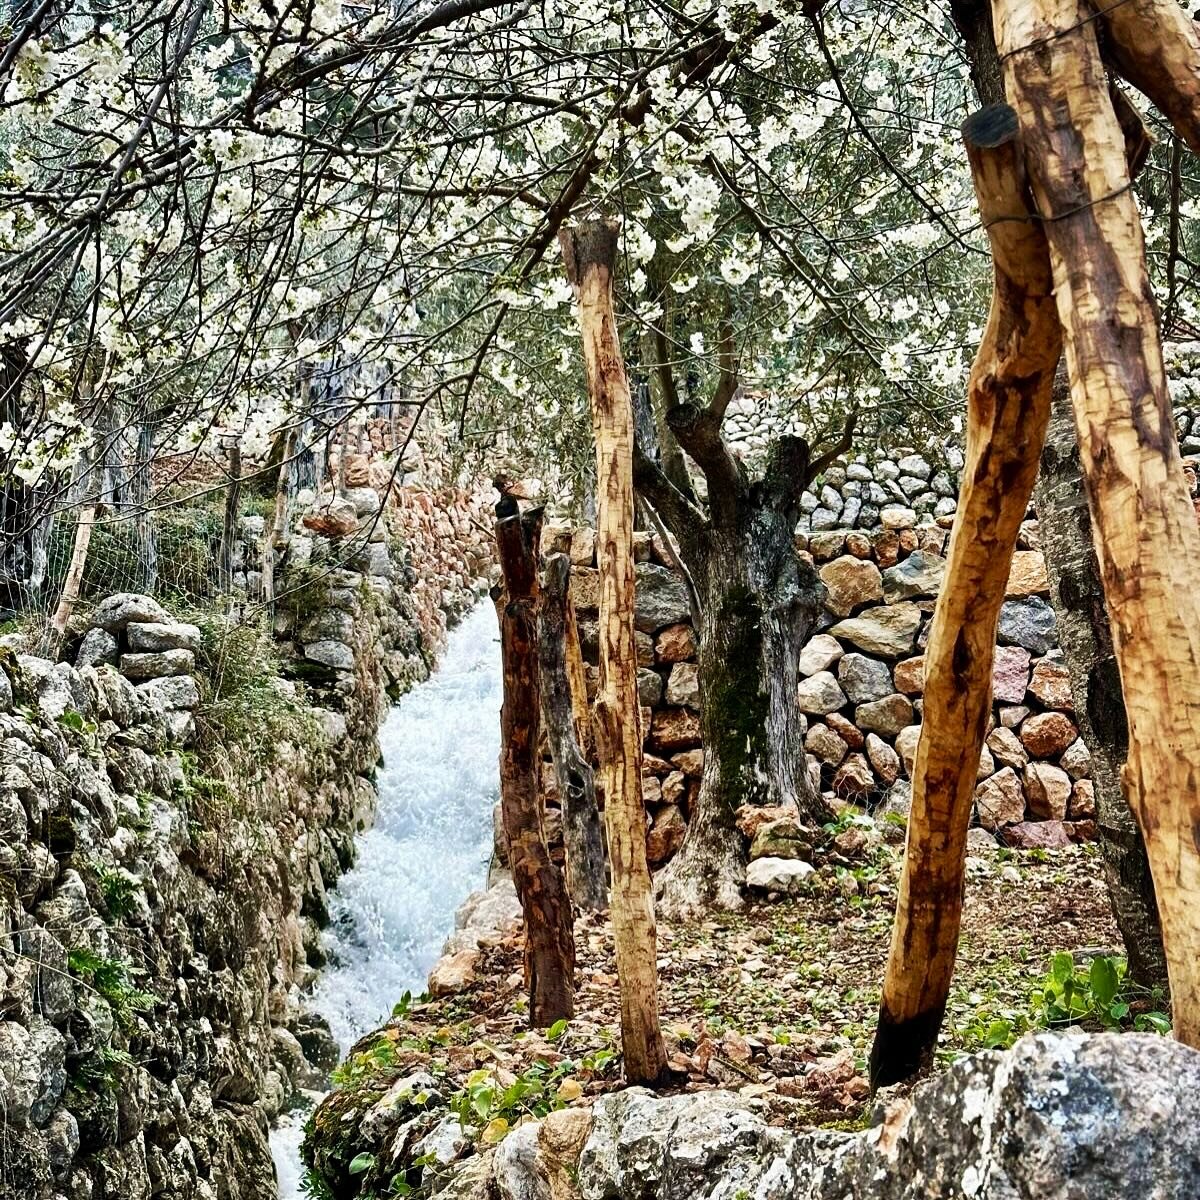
[[776, 1004]]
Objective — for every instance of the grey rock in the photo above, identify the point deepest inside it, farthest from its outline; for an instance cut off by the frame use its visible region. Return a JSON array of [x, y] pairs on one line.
[[660, 599], [820, 694], [1028, 623], [886, 469], [176, 692], [943, 484], [772, 874], [887, 630], [330, 653], [887, 716], [920, 574], [114, 613], [914, 464], [859, 472], [910, 485], [147, 637], [1057, 1117], [823, 518], [831, 499], [49, 1051], [158, 665], [97, 646], [683, 686], [864, 678], [650, 687]]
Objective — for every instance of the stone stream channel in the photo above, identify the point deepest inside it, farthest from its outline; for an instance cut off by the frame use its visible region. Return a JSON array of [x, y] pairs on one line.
[[428, 849]]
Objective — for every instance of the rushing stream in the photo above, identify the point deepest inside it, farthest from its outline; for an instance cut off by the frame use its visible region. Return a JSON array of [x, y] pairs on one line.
[[426, 851]]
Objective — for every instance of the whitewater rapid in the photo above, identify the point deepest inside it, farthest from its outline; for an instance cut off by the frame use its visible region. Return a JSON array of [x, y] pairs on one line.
[[427, 850]]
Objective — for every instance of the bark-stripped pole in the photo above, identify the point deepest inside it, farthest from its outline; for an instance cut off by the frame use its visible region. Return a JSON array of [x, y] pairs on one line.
[[576, 783], [549, 932], [1007, 409], [233, 502], [589, 254], [73, 583], [1145, 528]]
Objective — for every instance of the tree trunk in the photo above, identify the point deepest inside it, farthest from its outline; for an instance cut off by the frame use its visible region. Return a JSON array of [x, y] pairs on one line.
[[1065, 530], [589, 253], [1147, 540], [760, 608], [549, 934], [576, 784], [1008, 407], [144, 521]]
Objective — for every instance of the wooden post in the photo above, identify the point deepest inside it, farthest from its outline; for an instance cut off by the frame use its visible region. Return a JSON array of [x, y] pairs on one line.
[[576, 784], [1007, 410], [233, 502], [549, 933], [589, 254], [73, 583], [275, 536], [1144, 525]]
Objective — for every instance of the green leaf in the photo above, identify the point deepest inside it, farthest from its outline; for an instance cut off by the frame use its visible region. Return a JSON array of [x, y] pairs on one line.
[[556, 1030], [1103, 979], [361, 1163], [1118, 1011], [1152, 1022], [1062, 967]]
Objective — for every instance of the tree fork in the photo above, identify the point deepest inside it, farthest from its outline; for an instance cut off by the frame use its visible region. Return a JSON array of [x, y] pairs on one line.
[[1007, 411], [1147, 539], [549, 931], [589, 255], [576, 783]]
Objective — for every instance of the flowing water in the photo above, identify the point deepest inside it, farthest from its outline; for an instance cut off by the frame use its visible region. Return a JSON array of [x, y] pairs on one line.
[[427, 850]]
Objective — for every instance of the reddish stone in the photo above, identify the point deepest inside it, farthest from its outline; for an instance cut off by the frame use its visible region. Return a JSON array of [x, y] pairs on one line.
[[1047, 734], [1028, 575], [676, 643], [1083, 800], [751, 817], [665, 835], [846, 730], [853, 778], [907, 539], [1048, 788], [1037, 835], [1051, 684], [909, 675], [1000, 800], [886, 545], [850, 582], [690, 762], [858, 544], [674, 729]]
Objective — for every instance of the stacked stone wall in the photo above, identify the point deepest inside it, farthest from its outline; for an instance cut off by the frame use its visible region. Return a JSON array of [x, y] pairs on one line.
[[163, 881]]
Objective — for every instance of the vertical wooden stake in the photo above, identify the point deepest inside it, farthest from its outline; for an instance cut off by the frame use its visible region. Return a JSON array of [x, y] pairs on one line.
[[1147, 540], [589, 254], [549, 932], [576, 784], [1007, 410]]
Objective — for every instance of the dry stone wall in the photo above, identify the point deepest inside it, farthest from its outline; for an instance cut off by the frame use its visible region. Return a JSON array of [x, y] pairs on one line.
[[862, 685], [163, 873]]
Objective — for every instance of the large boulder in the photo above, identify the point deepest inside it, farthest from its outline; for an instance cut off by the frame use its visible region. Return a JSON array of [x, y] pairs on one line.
[[1057, 1117]]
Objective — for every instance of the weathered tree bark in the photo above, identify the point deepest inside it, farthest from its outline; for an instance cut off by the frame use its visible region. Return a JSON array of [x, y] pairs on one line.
[[1078, 596], [759, 603], [576, 783], [229, 527], [589, 254], [1147, 540], [1065, 530], [1007, 409], [549, 932]]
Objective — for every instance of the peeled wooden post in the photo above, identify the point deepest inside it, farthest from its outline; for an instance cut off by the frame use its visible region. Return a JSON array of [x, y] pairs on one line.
[[275, 536], [576, 783], [549, 933], [1147, 540], [233, 501], [589, 254], [1008, 407], [73, 583]]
